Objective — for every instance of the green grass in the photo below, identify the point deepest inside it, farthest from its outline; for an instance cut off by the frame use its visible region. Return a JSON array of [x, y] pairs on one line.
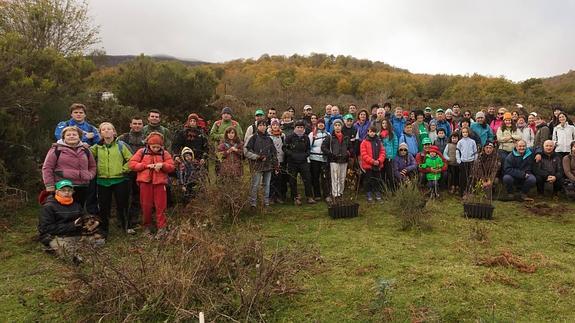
[[434, 275]]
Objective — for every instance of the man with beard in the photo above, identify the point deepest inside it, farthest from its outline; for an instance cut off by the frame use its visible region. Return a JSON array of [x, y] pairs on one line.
[[490, 116]]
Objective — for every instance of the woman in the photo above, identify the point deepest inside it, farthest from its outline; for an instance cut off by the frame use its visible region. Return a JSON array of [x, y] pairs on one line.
[[112, 168], [569, 170], [563, 135], [318, 162], [69, 159], [362, 124], [390, 143], [61, 226], [278, 185], [507, 136], [498, 121], [287, 124], [527, 133], [404, 165]]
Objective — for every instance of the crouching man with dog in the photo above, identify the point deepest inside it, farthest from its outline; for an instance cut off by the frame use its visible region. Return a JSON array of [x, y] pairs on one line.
[[62, 226]]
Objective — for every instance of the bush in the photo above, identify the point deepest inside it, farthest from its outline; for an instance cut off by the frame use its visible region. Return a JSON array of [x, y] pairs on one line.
[[408, 204]]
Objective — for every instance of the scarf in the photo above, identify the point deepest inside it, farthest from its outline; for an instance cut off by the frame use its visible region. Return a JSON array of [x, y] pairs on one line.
[[276, 133], [339, 136], [64, 200]]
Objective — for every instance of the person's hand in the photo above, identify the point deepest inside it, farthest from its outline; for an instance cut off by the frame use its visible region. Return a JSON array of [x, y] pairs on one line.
[[551, 179], [158, 166], [202, 161], [89, 135], [78, 222], [376, 162], [178, 159], [537, 158], [183, 188], [151, 166]]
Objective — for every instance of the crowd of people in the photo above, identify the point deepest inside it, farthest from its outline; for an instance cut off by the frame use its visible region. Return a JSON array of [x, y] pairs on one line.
[[447, 150]]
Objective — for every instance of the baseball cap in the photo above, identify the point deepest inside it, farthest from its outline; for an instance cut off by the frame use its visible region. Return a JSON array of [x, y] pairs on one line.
[[259, 112], [64, 183]]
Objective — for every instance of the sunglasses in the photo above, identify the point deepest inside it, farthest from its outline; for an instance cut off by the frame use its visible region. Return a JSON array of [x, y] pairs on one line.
[[427, 144], [403, 149], [500, 113]]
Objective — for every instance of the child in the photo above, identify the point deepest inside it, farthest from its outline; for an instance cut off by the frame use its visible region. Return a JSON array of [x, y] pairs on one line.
[[230, 151], [261, 152], [466, 154], [441, 140], [336, 147], [434, 163], [372, 155], [450, 154], [153, 164], [410, 139], [187, 173]]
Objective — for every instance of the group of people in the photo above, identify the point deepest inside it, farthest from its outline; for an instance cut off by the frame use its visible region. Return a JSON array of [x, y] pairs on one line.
[[452, 150]]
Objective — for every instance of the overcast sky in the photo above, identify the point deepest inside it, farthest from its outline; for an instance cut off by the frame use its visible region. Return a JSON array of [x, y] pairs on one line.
[[517, 39]]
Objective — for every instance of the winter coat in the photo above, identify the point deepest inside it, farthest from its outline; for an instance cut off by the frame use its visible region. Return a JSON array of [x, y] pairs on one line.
[[441, 143], [484, 132], [512, 137], [193, 138], [144, 157], [411, 141], [420, 159], [368, 154], [279, 143], [543, 133], [134, 140], [187, 172], [432, 163], [466, 150], [58, 220], [400, 163], [398, 124], [261, 145], [391, 146], [329, 123], [288, 128], [517, 166], [112, 160], [549, 165], [335, 151], [219, 128], [296, 148], [527, 135], [351, 133], [84, 126], [362, 129], [445, 125], [496, 124], [231, 162], [315, 146], [563, 136], [569, 166], [65, 162]]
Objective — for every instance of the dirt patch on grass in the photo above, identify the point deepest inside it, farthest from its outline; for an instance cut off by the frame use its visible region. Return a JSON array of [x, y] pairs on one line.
[[494, 277], [509, 260], [547, 209]]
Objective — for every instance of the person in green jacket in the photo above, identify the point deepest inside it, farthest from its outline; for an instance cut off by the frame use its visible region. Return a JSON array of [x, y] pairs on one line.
[[112, 158], [220, 126], [434, 163]]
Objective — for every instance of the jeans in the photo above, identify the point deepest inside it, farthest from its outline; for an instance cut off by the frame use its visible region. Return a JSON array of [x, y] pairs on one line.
[[256, 181], [526, 183]]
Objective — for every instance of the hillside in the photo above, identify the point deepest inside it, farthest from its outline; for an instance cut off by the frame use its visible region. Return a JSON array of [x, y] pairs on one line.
[[114, 60]]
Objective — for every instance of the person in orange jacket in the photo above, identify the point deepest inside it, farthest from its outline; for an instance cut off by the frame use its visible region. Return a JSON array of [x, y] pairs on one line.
[[153, 164], [372, 156]]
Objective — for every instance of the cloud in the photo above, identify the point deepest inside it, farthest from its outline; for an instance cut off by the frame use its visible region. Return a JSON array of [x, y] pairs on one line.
[[517, 39]]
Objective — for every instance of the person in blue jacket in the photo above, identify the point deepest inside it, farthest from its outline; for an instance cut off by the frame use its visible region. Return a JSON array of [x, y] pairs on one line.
[[398, 121], [90, 135], [410, 139], [442, 122], [334, 116], [518, 171]]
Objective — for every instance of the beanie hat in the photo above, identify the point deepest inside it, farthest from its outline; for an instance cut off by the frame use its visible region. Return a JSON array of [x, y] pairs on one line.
[[480, 114], [227, 110], [507, 116], [337, 121], [187, 150], [155, 138], [406, 113], [403, 145], [274, 121], [434, 149]]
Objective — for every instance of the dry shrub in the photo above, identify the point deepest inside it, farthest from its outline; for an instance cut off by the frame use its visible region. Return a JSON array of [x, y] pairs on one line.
[[507, 259], [408, 203], [224, 275]]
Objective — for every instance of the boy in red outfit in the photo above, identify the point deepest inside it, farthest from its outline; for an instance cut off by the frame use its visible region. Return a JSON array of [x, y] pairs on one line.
[[153, 164], [372, 155]]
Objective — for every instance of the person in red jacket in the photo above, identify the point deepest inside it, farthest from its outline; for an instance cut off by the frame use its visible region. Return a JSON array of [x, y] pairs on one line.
[[153, 164], [372, 155]]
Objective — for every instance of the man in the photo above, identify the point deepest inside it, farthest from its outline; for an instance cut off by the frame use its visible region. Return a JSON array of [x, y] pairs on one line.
[[350, 132], [548, 168], [379, 117], [420, 128], [261, 153], [327, 113], [154, 119], [272, 114], [78, 119], [220, 126], [252, 129], [442, 123], [490, 116], [427, 117], [456, 113], [387, 109], [307, 112], [334, 116], [481, 129], [135, 140], [518, 170], [352, 109], [373, 112], [297, 150], [398, 121]]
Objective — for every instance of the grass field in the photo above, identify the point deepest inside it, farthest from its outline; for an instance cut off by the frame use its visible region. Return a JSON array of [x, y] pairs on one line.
[[370, 270]]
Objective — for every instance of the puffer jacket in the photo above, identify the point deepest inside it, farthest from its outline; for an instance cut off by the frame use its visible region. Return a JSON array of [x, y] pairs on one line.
[[76, 164], [231, 163], [296, 148], [335, 151], [411, 141], [112, 160], [315, 145], [144, 157], [261, 145], [279, 143], [367, 153], [391, 145], [517, 166], [549, 165], [58, 220], [508, 144]]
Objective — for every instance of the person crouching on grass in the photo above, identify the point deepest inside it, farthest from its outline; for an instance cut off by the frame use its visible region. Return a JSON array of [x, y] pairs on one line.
[[153, 164]]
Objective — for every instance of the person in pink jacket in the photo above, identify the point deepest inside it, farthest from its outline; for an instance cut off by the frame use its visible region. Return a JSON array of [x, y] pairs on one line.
[[153, 164], [69, 159], [498, 121]]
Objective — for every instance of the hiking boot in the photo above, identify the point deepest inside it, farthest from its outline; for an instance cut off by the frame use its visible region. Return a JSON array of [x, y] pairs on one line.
[[369, 198], [148, 233], [377, 196], [131, 231], [297, 201], [310, 200], [524, 198], [317, 199]]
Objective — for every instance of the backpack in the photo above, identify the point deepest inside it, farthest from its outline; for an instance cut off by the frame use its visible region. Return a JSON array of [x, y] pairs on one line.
[[57, 152]]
